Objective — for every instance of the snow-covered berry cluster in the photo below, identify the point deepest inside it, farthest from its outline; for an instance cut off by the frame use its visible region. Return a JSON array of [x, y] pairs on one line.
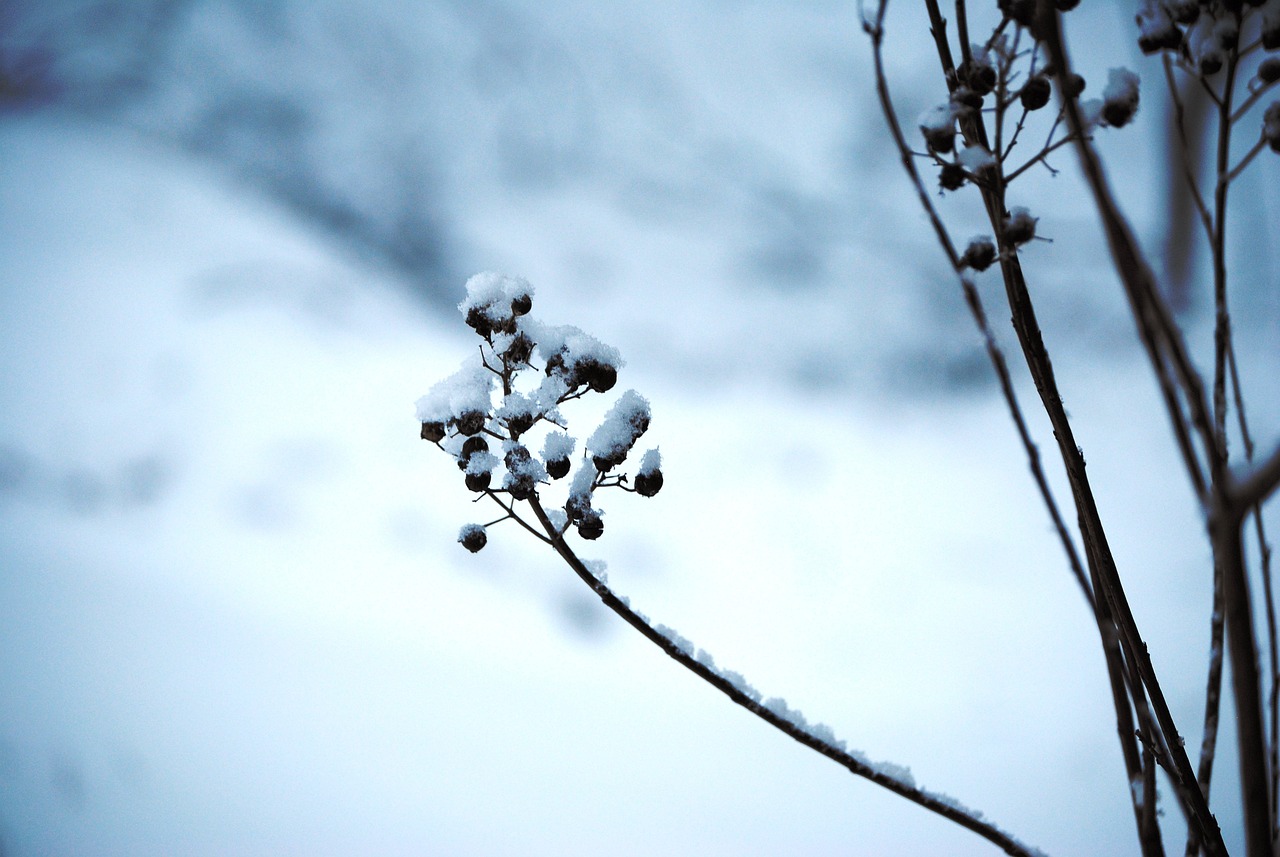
[[513, 390]]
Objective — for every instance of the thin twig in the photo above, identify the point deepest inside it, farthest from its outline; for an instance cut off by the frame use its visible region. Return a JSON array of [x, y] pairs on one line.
[[1149, 307], [974, 302], [1188, 173], [688, 659]]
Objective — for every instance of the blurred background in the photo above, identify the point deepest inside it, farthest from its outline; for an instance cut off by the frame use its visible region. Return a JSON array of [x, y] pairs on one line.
[[233, 615]]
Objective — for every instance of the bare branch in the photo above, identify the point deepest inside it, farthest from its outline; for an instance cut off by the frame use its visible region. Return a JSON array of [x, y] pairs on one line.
[[944, 807]]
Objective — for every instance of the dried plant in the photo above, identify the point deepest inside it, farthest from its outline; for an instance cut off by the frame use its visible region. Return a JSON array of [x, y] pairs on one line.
[[994, 93]]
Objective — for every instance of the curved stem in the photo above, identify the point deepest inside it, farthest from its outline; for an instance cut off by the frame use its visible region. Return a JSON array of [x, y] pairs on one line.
[[682, 653]]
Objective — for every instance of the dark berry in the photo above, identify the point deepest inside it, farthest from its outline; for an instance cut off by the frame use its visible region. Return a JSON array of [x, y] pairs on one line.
[[478, 481], [1035, 92], [979, 255], [558, 468], [521, 304], [1019, 227], [648, 484], [473, 537], [602, 377], [478, 320], [521, 487], [967, 97], [1073, 85], [472, 445], [940, 140], [519, 349], [518, 424], [979, 76], [591, 527], [470, 422], [1269, 71], [952, 176], [433, 432]]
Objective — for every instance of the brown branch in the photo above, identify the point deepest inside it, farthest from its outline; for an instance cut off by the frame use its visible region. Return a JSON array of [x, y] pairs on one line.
[[686, 658], [1149, 310]]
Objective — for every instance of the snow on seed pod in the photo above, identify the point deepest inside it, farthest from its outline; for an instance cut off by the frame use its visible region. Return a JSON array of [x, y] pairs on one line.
[[1019, 227], [1120, 98], [556, 449], [520, 349], [478, 481], [469, 422], [591, 526], [978, 74], [462, 400], [979, 255], [1035, 92], [622, 426], [1184, 12], [473, 537], [1156, 29], [648, 479], [938, 125]]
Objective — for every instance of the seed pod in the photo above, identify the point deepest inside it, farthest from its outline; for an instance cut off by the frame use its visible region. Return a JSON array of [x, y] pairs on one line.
[[979, 255], [577, 509], [518, 424], [978, 75], [469, 422], [600, 376], [1065, 5], [519, 349], [952, 176], [967, 97], [1271, 126], [1269, 70], [521, 304], [558, 468], [591, 527], [1019, 226], [648, 484], [521, 487], [478, 320], [473, 537], [479, 481], [433, 432], [1035, 92], [1073, 85], [472, 445], [605, 463]]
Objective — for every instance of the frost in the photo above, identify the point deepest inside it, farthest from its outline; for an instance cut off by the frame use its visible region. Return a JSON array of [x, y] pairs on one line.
[[468, 389], [947, 800], [1138, 791], [901, 773], [704, 657], [651, 461]]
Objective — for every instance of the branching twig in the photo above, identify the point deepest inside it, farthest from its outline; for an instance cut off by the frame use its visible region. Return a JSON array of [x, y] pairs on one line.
[[946, 808]]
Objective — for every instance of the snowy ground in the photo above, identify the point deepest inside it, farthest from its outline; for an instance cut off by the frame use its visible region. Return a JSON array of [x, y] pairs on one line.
[[233, 618]]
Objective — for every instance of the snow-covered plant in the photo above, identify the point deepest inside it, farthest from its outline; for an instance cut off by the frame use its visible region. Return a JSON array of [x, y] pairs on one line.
[[512, 391], [508, 400], [996, 91]]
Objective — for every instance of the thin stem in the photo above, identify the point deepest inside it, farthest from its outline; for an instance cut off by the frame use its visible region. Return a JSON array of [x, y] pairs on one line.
[[1212, 703], [1187, 171], [1245, 161], [682, 653], [1222, 316], [1255, 95], [974, 302]]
